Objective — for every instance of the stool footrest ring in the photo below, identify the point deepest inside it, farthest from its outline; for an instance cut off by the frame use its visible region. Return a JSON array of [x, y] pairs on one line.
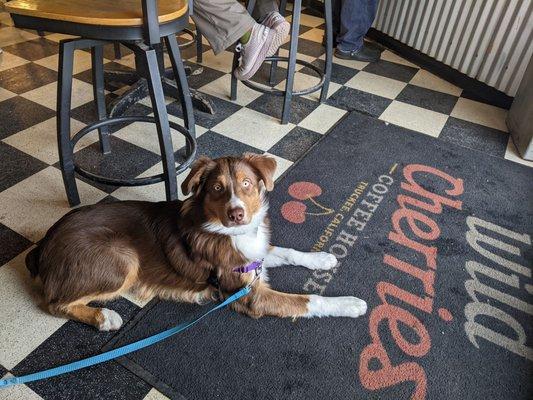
[[279, 92], [189, 156]]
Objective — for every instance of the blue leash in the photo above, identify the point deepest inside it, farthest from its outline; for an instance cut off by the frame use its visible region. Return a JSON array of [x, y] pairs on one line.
[[121, 351]]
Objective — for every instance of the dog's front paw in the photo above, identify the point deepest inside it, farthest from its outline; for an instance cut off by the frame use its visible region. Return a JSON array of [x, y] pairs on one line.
[[207, 296], [111, 320], [321, 260]]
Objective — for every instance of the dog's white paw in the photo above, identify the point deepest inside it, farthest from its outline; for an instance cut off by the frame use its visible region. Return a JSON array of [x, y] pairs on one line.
[[112, 320], [321, 260], [346, 306]]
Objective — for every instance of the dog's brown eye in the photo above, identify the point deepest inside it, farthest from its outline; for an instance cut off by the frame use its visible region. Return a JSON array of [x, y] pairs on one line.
[[246, 183], [217, 187]]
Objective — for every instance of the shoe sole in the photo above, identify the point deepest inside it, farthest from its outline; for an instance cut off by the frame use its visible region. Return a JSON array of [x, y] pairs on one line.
[[282, 30], [258, 60], [355, 59]]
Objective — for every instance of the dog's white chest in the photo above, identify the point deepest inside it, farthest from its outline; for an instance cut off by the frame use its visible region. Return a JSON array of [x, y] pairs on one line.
[[253, 245]]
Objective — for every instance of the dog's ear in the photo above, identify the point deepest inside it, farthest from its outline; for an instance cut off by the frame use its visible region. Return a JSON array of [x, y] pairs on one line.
[[194, 179], [265, 166]]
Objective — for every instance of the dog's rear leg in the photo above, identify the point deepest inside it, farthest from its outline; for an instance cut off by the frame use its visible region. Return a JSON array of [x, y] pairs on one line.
[[264, 301], [101, 318]]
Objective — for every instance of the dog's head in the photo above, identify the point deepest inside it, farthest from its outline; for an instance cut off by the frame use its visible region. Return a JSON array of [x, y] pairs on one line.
[[231, 189]]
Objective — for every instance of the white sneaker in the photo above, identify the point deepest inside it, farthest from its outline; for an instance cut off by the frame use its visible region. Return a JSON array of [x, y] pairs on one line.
[[276, 21], [254, 52]]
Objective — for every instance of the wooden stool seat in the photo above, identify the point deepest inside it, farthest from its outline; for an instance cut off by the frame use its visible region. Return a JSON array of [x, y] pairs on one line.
[[96, 12]]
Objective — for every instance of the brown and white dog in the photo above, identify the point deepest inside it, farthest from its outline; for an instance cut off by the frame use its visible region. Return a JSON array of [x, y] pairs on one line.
[[171, 249]]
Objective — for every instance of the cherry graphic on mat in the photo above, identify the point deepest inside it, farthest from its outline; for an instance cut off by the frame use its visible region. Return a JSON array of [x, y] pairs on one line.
[[304, 190], [294, 211]]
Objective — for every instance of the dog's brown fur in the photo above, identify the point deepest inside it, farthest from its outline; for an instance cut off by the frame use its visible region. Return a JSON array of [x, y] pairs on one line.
[[99, 252]]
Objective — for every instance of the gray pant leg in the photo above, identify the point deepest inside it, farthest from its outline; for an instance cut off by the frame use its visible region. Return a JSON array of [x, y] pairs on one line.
[[222, 22], [263, 7]]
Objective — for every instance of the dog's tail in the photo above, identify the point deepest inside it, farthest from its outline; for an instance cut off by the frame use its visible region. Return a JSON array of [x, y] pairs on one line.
[[32, 261]]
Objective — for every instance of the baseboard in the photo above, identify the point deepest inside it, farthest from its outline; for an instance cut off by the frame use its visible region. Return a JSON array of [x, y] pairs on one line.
[[472, 88]]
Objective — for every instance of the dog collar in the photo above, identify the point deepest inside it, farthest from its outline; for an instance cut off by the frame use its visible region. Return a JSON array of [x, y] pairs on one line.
[[256, 266]]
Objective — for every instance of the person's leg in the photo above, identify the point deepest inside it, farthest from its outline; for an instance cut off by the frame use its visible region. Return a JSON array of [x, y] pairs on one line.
[[222, 22], [263, 8], [356, 18]]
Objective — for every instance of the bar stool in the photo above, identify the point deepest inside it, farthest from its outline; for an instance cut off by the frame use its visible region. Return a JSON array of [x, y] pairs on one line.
[[140, 25], [288, 93]]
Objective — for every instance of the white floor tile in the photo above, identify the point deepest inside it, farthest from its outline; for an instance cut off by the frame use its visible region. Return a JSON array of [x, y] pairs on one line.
[[376, 84], [18, 392], [82, 62], [322, 118], [144, 134], [155, 395], [308, 20], [221, 88], [10, 35], [253, 128], [8, 60], [221, 62], [511, 154], [388, 55], [82, 93], [315, 34], [31, 206], [282, 165], [40, 140], [427, 80], [6, 94], [24, 325], [480, 113], [415, 118], [304, 81]]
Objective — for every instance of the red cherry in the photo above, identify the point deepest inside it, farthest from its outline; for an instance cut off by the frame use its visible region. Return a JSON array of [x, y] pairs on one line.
[[304, 190], [294, 211]]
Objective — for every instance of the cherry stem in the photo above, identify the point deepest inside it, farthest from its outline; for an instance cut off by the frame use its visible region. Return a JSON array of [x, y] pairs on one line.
[[316, 203]]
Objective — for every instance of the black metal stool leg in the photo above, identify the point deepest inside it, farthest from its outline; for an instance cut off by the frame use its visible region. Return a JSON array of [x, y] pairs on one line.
[[97, 61], [329, 49], [295, 30], [118, 53], [199, 46], [163, 128], [250, 8], [183, 86], [64, 93], [274, 64]]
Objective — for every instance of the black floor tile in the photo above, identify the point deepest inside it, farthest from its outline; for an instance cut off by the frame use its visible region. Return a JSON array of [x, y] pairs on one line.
[[213, 145], [3, 371], [86, 113], [474, 136], [427, 98], [295, 144], [262, 75], [273, 106], [223, 109], [307, 47], [202, 75], [16, 79], [111, 85], [391, 70], [339, 73], [72, 342], [33, 50], [356, 100], [126, 161], [16, 166], [18, 113], [12, 245]]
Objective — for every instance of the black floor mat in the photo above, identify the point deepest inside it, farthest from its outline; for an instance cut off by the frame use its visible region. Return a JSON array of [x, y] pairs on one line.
[[449, 300]]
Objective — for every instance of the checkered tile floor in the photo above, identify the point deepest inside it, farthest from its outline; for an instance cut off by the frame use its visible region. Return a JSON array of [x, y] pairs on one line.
[[31, 190]]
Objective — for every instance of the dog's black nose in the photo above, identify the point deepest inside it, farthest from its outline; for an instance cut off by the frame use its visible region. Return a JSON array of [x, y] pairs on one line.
[[236, 214]]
